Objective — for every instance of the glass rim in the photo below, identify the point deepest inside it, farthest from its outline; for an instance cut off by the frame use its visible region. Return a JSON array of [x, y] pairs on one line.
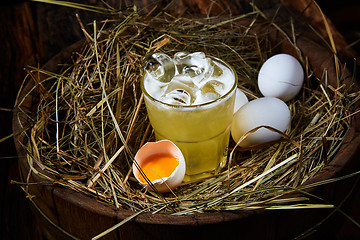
[[197, 105]]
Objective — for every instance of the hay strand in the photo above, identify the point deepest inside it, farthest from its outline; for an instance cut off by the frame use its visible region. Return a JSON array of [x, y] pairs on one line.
[[92, 118]]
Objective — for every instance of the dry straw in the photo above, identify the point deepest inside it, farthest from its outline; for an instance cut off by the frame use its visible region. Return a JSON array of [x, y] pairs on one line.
[[91, 120]]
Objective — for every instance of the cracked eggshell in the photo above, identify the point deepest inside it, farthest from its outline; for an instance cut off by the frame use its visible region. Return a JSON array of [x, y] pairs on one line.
[[166, 147], [281, 76]]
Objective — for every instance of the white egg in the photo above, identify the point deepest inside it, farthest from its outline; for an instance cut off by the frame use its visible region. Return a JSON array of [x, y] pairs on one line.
[[281, 76], [162, 163], [240, 100], [265, 111]]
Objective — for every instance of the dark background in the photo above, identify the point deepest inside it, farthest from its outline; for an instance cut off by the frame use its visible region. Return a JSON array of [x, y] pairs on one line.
[[17, 221]]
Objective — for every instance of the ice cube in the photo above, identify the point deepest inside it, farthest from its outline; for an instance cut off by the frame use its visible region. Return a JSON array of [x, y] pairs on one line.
[[191, 64], [161, 67], [192, 71], [180, 91], [184, 60], [181, 59], [199, 67], [177, 97], [216, 70], [212, 90]]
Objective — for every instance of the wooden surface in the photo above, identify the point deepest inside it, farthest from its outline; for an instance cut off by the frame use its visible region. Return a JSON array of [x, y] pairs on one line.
[[28, 37]]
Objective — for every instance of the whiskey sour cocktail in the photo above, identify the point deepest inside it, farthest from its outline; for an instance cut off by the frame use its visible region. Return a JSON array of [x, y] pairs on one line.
[[190, 101]]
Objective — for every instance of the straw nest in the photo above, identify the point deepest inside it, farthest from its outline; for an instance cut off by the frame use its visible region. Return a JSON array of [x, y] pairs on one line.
[[91, 118]]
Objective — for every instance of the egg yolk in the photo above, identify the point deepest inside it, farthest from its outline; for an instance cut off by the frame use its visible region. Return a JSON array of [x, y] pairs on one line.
[[158, 166]]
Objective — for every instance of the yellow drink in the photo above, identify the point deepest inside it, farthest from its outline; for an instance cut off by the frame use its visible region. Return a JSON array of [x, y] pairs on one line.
[[200, 131]]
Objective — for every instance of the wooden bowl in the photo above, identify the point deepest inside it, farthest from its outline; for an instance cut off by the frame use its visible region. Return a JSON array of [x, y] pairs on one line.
[[66, 214]]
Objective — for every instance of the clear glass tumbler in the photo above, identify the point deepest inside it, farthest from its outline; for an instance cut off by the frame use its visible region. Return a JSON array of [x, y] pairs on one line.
[[200, 131]]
